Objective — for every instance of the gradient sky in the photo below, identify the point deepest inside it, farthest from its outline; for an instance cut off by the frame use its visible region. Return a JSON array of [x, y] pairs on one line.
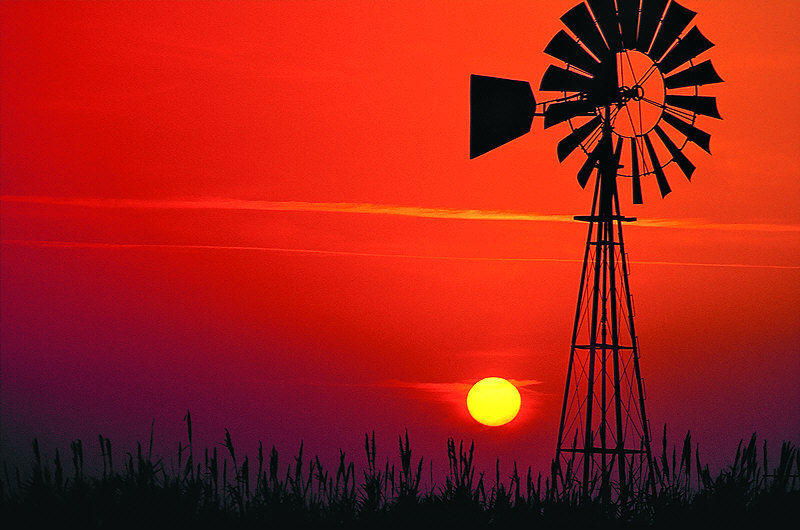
[[264, 212]]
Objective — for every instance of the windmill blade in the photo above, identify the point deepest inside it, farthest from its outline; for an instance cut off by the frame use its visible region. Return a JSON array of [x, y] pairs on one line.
[[556, 113], [663, 185], [606, 15], [563, 47], [580, 22], [651, 15], [675, 21], [558, 79], [500, 111], [699, 74], [677, 155], [568, 144], [692, 133], [690, 46], [586, 169], [617, 157], [705, 105], [637, 179], [618, 153], [628, 21]]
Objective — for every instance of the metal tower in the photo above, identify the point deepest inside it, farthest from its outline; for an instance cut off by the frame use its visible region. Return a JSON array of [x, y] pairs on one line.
[[603, 436]]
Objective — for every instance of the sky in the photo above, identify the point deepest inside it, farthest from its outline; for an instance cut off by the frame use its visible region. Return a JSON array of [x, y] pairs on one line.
[[265, 213]]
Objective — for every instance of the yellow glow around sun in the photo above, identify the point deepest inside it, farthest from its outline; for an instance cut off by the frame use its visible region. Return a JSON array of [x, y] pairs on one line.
[[493, 401]]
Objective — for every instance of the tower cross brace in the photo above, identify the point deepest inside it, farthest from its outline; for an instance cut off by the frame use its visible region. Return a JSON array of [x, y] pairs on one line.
[[604, 437]]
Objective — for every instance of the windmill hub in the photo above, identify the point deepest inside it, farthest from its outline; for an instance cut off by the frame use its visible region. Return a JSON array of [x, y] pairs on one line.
[[626, 93], [641, 95]]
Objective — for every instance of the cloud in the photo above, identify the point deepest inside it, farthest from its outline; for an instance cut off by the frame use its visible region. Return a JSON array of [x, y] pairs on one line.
[[286, 206], [373, 209], [454, 393], [309, 251], [451, 392], [702, 224]]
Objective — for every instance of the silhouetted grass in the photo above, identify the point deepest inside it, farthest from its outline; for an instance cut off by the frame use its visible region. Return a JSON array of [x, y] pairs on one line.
[[223, 489]]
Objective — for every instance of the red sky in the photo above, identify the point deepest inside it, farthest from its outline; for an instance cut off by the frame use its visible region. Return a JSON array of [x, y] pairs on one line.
[[265, 212]]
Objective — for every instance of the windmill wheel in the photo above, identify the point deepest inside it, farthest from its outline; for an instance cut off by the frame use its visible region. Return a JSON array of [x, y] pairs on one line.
[[636, 61]]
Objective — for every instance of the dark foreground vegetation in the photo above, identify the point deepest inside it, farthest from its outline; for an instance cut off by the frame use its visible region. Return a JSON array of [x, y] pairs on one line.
[[224, 489]]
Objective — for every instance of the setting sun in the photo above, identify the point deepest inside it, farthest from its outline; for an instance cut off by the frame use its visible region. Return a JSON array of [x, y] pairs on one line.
[[493, 401]]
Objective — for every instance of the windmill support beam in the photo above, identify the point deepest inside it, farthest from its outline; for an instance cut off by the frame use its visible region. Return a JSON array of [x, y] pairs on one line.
[[604, 438], [595, 218]]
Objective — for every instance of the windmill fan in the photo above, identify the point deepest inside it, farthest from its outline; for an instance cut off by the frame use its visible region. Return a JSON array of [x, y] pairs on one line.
[[638, 61], [629, 91]]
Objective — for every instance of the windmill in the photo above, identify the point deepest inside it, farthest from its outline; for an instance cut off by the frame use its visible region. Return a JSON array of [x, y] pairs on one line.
[[630, 94]]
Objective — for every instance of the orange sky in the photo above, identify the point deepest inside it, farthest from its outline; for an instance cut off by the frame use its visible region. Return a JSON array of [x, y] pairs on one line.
[[265, 212]]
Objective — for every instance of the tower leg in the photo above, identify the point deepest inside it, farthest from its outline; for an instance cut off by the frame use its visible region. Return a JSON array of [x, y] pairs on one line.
[[603, 436]]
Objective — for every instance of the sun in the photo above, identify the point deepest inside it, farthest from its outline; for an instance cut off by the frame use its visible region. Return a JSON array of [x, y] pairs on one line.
[[493, 401]]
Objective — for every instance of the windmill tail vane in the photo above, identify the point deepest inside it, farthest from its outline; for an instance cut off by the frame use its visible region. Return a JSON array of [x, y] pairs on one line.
[[629, 91]]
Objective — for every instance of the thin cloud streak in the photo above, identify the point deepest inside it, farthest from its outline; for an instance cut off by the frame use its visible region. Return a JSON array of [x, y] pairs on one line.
[[449, 387], [287, 206], [165, 246], [454, 392], [373, 209]]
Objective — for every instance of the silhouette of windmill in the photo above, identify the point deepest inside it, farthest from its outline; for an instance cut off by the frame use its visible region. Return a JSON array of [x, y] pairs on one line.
[[630, 95]]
